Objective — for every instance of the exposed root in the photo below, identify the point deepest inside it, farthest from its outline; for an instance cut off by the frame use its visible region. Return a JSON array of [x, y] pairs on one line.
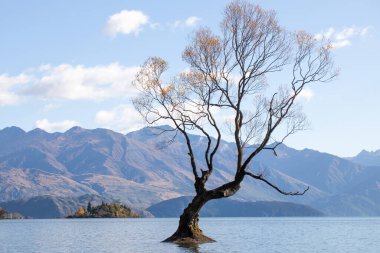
[[196, 239]]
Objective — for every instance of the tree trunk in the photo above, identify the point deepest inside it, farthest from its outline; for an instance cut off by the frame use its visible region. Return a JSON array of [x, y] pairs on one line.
[[188, 231]]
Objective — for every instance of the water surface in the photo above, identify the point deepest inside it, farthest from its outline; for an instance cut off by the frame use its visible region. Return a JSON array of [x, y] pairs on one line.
[[257, 235]]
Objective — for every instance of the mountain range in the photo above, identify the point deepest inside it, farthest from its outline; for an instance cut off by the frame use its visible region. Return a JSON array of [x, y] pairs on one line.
[[142, 168], [233, 208]]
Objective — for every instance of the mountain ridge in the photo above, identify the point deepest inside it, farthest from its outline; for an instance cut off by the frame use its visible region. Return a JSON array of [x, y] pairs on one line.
[[140, 169], [368, 158]]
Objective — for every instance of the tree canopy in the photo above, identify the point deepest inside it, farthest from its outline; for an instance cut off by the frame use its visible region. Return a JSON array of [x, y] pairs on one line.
[[227, 90]]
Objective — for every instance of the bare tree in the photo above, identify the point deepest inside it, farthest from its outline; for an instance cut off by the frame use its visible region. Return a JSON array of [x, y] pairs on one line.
[[228, 74]]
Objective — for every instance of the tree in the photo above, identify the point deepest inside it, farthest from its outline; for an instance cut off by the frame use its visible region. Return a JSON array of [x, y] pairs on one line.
[[228, 75], [3, 213], [80, 211], [89, 207]]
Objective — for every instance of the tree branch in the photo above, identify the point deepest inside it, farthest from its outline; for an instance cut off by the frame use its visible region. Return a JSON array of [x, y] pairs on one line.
[[259, 177]]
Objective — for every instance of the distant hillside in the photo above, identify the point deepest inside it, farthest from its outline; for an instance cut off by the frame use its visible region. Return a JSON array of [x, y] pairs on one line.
[[234, 208], [369, 158], [48, 206], [140, 169], [44, 207]]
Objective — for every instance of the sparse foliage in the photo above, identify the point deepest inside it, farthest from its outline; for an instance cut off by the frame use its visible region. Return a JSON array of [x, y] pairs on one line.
[[80, 211], [228, 75]]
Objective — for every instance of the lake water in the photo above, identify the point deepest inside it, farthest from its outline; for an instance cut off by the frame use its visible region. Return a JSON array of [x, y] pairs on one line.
[[256, 235]]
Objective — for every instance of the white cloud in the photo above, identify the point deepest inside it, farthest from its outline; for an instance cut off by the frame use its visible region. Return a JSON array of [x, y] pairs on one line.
[[192, 21], [69, 82], [123, 118], [325, 34], [104, 118], [341, 43], [76, 82], [126, 22], [344, 37], [8, 98], [346, 33], [8, 85], [133, 21], [61, 126], [189, 22]]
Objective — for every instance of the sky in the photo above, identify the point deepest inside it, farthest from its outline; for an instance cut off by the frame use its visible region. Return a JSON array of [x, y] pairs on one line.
[[67, 63]]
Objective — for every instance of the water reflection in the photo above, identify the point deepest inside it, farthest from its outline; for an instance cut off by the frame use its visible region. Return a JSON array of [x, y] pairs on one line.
[[191, 248]]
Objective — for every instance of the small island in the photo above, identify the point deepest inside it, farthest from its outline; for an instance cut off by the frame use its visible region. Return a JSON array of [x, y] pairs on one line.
[[105, 210], [7, 215]]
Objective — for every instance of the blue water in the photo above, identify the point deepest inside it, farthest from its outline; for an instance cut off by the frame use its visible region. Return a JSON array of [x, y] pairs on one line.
[[256, 235]]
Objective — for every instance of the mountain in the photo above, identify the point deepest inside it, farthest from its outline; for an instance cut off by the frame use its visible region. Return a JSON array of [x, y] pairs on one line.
[[148, 166], [234, 208], [79, 162], [369, 158]]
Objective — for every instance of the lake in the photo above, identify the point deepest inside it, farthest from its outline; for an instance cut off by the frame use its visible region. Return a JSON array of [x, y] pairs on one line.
[[256, 235]]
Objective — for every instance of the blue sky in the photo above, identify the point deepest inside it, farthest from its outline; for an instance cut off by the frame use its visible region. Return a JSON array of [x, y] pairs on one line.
[[65, 63]]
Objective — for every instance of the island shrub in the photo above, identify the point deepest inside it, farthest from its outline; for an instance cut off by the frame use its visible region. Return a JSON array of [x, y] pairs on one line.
[[113, 210]]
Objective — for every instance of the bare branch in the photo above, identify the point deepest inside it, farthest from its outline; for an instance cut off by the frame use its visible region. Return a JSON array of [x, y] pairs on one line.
[[228, 74], [260, 177]]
